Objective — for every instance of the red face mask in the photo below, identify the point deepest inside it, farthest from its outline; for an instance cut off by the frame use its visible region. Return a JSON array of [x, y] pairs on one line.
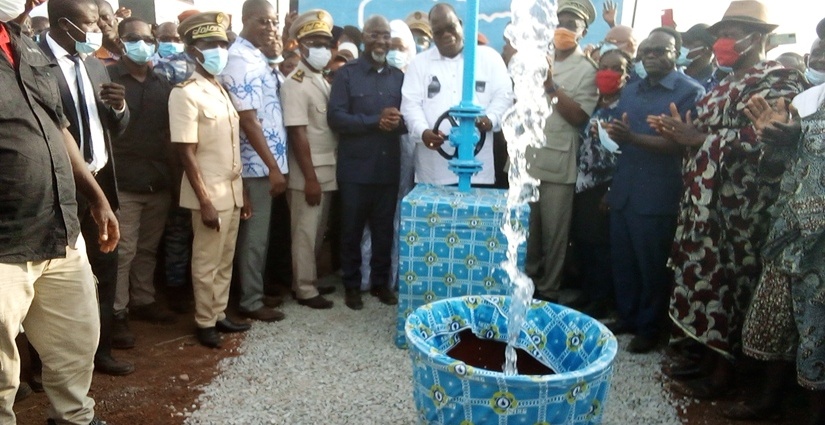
[[609, 81], [725, 51]]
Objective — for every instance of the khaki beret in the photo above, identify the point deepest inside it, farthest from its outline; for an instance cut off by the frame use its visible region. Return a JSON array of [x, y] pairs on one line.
[[316, 21], [419, 21], [584, 9], [204, 26]]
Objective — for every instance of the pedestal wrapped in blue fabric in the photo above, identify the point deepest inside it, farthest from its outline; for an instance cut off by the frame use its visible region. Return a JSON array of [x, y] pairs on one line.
[[450, 245], [448, 391]]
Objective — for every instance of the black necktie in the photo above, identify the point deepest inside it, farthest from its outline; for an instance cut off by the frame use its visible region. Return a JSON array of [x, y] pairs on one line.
[[86, 136]]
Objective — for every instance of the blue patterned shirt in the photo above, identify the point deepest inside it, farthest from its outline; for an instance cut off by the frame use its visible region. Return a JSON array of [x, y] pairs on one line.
[[252, 85], [176, 68]]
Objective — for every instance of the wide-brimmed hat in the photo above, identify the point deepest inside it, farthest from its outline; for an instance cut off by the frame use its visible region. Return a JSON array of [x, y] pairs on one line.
[[751, 12]]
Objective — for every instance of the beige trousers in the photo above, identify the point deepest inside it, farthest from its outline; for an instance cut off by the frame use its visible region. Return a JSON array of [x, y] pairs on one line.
[[56, 302], [212, 254], [308, 226], [142, 218], [549, 230]]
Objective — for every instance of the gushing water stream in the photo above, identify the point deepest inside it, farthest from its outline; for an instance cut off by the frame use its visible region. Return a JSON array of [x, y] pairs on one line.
[[531, 34]]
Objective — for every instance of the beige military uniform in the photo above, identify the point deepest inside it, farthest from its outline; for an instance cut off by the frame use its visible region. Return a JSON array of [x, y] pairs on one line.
[[201, 112], [305, 95], [554, 164]]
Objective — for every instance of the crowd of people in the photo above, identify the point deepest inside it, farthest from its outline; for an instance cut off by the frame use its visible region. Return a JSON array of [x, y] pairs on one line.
[[681, 181]]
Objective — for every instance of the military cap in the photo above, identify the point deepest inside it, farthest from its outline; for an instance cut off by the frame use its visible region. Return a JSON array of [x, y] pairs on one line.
[[584, 9], [204, 26], [316, 21], [419, 21]]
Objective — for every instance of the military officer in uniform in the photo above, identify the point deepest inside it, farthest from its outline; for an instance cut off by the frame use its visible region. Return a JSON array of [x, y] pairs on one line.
[[312, 151], [204, 127]]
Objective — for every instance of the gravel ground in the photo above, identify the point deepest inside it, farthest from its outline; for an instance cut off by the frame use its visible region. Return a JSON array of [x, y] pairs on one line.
[[341, 367]]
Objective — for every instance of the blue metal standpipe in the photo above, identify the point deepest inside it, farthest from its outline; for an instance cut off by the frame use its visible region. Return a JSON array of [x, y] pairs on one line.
[[465, 137]]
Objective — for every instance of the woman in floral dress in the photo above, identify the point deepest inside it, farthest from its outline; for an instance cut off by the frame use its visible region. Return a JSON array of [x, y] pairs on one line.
[[730, 183]]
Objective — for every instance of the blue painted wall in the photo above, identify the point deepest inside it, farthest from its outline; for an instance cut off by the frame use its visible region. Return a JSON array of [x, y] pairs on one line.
[[494, 14]]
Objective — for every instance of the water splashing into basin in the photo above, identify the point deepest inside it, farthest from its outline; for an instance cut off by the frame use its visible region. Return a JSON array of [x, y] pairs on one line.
[[530, 33]]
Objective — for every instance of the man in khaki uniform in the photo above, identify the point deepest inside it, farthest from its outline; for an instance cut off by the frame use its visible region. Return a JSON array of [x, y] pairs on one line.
[[312, 153], [573, 83], [204, 126]]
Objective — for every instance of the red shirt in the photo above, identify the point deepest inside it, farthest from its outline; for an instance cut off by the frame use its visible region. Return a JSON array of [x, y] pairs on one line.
[[5, 44]]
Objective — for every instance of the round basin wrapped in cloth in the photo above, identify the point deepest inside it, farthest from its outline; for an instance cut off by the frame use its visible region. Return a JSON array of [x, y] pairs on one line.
[[447, 391]]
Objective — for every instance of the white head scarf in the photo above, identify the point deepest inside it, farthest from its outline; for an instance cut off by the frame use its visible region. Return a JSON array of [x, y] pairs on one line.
[[10, 9], [398, 29]]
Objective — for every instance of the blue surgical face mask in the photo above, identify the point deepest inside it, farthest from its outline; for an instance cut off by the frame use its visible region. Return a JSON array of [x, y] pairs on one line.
[[214, 60], [139, 51], [93, 42], [397, 59], [683, 60], [640, 69], [166, 49], [606, 47], [815, 77]]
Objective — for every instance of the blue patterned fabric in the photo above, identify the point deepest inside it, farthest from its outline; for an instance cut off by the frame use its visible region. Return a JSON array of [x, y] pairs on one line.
[[447, 391], [450, 244], [252, 85], [176, 68]]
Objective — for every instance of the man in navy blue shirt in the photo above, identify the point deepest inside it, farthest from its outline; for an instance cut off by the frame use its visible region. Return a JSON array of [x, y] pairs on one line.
[[644, 195], [363, 110]]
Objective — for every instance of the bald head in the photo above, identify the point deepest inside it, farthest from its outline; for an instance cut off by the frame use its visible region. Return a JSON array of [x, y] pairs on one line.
[[623, 37], [69, 9], [376, 21], [448, 33], [167, 32]]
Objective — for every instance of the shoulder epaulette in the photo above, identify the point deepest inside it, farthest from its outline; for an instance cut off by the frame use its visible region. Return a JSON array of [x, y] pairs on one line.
[[298, 76], [185, 83]]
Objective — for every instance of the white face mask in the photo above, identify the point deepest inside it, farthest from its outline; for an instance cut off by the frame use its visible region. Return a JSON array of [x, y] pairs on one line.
[[815, 77], [319, 57], [10, 9]]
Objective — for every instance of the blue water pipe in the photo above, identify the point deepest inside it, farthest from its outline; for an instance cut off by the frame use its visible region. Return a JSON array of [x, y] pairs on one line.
[[465, 136]]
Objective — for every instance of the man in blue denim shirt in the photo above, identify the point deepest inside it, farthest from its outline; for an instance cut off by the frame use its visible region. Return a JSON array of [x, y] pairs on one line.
[[644, 196], [364, 109]]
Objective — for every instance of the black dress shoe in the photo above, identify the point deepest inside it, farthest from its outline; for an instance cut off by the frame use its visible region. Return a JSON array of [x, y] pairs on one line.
[[105, 363], [208, 337], [641, 344], [95, 421], [317, 302], [228, 326], [384, 294], [352, 298]]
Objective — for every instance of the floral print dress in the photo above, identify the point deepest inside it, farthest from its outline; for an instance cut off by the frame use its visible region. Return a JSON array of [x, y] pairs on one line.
[[731, 181]]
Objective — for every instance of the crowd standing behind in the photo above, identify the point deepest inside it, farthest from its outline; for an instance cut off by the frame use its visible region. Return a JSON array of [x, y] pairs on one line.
[[681, 184]]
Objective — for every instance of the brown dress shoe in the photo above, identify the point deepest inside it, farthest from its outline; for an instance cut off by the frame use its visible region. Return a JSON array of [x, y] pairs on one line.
[[264, 314], [316, 302]]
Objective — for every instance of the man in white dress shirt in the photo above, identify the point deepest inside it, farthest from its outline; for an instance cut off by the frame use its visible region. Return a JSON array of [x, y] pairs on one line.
[[432, 85]]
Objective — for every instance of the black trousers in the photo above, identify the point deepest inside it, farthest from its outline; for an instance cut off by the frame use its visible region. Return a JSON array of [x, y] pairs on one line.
[[363, 204], [104, 267], [278, 275]]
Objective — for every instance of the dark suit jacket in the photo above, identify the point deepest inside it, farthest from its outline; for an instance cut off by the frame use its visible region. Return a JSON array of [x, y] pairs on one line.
[[114, 123]]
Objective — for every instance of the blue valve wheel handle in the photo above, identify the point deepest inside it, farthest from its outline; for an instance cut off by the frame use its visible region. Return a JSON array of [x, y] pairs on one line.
[[446, 116]]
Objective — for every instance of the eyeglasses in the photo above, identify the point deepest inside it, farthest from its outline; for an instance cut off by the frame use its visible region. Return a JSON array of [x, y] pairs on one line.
[[375, 36], [134, 37], [265, 22], [656, 51], [316, 44]]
